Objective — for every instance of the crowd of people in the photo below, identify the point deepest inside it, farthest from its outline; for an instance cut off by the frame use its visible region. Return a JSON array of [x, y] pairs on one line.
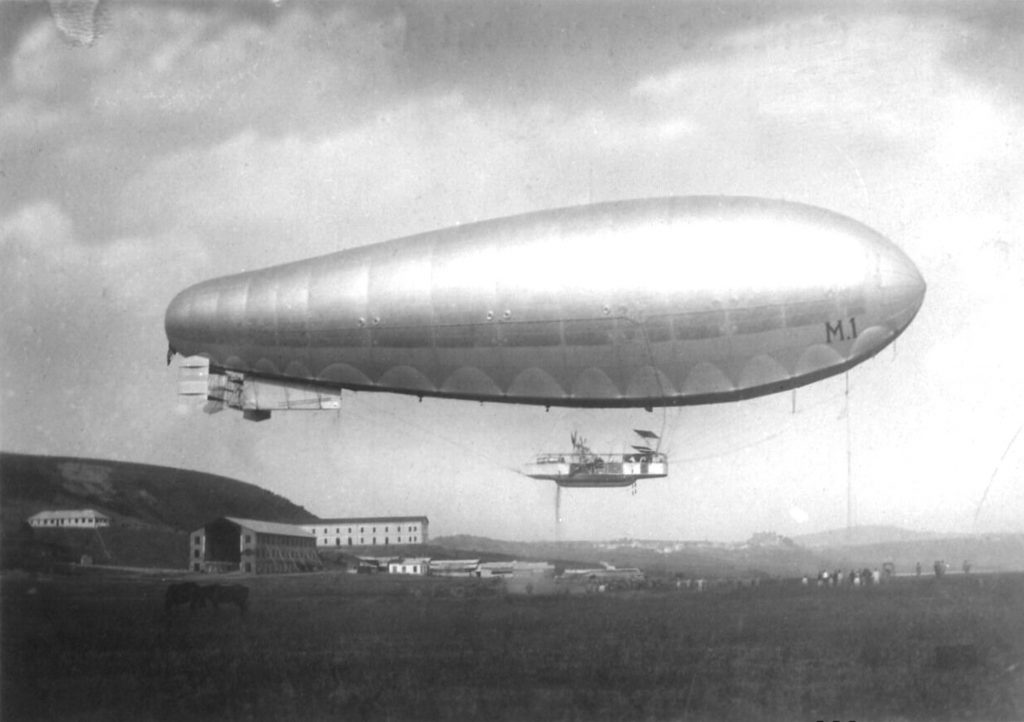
[[854, 577]]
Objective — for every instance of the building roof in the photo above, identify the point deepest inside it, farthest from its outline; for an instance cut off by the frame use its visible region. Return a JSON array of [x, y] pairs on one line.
[[270, 527], [517, 565], [366, 520], [69, 514], [454, 563]]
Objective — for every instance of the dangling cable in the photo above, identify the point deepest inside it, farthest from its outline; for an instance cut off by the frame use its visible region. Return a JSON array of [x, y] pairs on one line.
[[657, 377], [558, 512], [849, 461], [994, 472]]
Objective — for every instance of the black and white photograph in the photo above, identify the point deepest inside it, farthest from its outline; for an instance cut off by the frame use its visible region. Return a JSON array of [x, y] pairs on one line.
[[511, 361]]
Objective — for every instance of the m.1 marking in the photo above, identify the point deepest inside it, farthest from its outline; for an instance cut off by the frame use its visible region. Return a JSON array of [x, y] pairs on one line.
[[840, 330]]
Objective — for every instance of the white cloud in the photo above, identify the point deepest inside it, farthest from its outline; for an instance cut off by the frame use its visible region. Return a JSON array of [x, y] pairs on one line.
[[975, 128], [42, 224], [35, 67], [48, 276], [852, 81], [430, 154]]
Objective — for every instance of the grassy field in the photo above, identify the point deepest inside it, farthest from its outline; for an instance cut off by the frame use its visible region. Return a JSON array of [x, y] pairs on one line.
[[98, 646]]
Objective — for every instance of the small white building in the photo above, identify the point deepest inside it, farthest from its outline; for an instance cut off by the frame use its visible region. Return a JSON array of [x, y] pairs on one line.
[[69, 519], [414, 565], [374, 531]]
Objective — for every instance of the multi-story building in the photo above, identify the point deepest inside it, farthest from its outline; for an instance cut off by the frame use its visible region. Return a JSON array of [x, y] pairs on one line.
[[228, 544], [373, 531]]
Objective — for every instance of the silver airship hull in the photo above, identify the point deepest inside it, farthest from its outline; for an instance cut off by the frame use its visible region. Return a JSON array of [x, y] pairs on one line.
[[637, 303]]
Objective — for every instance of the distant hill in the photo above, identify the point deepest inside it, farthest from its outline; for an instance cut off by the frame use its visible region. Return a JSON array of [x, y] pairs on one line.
[[786, 558], [990, 552], [694, 559], [133, 494], [862, 535]]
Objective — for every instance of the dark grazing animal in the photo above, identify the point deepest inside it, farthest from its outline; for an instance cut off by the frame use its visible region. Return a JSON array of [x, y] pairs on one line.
[[181, 593], [217, 594]]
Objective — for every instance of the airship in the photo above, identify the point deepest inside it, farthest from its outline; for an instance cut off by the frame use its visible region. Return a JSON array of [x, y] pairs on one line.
[[634, 303]]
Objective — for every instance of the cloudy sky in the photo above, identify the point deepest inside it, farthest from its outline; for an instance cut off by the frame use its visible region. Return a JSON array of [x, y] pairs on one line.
[[145, 147]]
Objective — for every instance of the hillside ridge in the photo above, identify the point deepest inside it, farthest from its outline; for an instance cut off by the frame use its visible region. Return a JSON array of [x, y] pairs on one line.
[[134, 494]]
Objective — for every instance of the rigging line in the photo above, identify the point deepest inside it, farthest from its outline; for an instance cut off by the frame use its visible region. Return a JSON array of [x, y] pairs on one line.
[[849, 459], [781, 430], [735, 449], [856, 170], [996, 471], [491, 461], [657, 376]]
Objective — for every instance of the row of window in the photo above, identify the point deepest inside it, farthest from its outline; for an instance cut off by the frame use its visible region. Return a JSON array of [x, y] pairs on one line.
[[362, 541], [275, 540], [279, 540], [362, 529], [271, 553], [70, 521]]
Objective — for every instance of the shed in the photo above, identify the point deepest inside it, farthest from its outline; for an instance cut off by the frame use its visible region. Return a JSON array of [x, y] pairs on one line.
[[251, 546], [454, 567]]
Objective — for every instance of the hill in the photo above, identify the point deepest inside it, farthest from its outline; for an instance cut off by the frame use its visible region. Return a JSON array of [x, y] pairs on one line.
[[870, 546], [990, 552], [693, 559], [134, 494], [863, 535], [152, 509], [786, 558]]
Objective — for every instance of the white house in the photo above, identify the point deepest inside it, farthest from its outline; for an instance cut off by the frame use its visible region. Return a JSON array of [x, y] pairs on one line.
[[414, 565], [69, 519], [251, 546]]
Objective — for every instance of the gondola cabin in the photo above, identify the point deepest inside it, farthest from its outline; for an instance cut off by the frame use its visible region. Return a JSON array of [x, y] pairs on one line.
[[584, 468]]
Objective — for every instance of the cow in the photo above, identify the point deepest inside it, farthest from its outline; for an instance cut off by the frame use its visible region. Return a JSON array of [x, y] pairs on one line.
[[217, 594], [182, 593]]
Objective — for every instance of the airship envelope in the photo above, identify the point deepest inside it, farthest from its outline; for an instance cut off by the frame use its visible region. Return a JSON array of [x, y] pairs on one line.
[[637, 303]]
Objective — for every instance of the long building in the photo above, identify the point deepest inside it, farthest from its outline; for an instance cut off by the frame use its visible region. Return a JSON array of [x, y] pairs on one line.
[[69, 519], [371, 531], [228, 544]]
